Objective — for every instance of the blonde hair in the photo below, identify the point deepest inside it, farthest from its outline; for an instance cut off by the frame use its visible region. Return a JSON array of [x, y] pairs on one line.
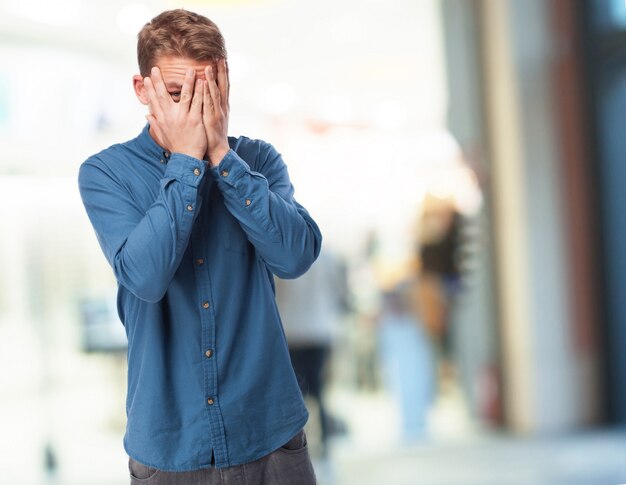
[[178, 33]]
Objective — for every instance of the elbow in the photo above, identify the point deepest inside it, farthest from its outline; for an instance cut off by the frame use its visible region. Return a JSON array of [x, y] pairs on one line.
[[298, 264], [148, 293], [291, 271], [143, 286]]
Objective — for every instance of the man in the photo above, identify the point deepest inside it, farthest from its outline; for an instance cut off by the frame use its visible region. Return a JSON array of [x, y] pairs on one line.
[[195, 224]]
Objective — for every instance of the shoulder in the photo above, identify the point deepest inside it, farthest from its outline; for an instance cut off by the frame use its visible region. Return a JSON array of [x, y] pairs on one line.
[[243, 142], [254, 151], [107, 162]]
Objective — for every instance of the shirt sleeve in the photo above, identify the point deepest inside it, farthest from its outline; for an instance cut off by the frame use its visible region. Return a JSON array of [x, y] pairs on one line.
[[284, 234], [144, 247]]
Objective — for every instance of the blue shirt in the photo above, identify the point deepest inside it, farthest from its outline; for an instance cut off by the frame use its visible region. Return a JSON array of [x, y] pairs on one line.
[[194, 250]]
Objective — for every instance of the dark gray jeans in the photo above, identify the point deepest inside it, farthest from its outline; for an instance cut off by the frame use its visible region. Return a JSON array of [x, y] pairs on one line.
[[289, 465]]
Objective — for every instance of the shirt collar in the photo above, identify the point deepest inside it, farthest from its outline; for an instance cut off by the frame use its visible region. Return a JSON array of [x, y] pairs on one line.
[[150, 146]]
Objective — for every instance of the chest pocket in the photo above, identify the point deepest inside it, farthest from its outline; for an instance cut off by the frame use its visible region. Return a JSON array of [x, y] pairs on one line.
[[227, 229], [236, 239]]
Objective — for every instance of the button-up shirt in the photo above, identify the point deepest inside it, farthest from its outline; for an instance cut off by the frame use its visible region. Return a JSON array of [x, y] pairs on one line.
[[194, 249]]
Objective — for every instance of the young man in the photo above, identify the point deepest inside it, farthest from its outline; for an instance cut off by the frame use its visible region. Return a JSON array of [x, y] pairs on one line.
[[195, 223]]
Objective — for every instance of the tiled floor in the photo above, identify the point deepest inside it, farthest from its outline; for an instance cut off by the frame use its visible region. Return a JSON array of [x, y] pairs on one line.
[[597, 458], [459, 454]]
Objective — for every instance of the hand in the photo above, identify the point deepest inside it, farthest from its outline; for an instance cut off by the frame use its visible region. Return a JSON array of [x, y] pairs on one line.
[[215, 109], [177, 125]]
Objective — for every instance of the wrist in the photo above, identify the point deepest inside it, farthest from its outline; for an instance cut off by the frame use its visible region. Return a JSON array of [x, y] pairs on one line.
[[189, 152], [217, 154]]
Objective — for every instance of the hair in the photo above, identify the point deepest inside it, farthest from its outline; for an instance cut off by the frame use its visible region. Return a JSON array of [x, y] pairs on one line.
[[178, 33]]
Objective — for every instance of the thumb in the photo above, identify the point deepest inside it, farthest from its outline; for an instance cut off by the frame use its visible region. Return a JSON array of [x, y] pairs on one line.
[[156, 129], [154, 124]]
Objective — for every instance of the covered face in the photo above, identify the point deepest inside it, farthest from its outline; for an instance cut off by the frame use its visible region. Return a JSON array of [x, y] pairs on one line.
[[173, 70]]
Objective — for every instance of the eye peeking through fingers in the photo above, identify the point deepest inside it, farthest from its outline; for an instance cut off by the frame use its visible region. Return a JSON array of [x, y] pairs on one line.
[[175, 96]]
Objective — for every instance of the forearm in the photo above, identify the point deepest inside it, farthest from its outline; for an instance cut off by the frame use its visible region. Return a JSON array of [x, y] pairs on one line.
[[145, 249], [281, 230], [147, 261]]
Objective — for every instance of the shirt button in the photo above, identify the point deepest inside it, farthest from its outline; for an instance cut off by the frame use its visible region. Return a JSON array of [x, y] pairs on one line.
[[210, 401], [200, 261], [166, 154], [248, 202], [162, 161], [205, 304], [209, 353], [224, 173], [196, 172], [189, 207]]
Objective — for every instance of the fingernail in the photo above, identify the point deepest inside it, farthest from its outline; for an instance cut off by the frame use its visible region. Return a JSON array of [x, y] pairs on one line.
[[190, 72], [155, 69]]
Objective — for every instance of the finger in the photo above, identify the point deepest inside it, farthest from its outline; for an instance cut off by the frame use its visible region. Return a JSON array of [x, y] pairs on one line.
[[213, 89], [188, 88], [196, 102], [228, 83], [222, 80], [152, 120], [159, 85], [153, 102], [206, 94]]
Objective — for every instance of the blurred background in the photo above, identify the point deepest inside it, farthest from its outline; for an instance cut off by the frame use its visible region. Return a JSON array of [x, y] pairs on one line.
[[466, 162]]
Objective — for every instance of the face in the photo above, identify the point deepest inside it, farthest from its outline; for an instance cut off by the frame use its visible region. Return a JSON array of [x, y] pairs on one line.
[[173, 71]]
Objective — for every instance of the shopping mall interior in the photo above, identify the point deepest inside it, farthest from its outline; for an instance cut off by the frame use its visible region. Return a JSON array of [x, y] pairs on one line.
[[465, 161]]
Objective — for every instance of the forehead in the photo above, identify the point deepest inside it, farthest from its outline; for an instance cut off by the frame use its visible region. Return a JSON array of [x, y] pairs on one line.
[[174, 68]]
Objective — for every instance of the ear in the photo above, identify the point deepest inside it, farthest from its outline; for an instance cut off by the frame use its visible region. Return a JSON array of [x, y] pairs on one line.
[[140, 89]]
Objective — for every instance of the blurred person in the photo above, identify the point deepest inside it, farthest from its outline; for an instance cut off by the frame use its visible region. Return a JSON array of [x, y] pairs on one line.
[[406, 360], [311, 308], [439, 281], [194, 224]]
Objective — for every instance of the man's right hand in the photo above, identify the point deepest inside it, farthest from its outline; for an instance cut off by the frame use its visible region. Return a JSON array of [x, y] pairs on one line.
[[179, 125]]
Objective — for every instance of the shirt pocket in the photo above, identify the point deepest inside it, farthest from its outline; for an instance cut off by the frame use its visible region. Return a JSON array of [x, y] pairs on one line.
[[232, 236]]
